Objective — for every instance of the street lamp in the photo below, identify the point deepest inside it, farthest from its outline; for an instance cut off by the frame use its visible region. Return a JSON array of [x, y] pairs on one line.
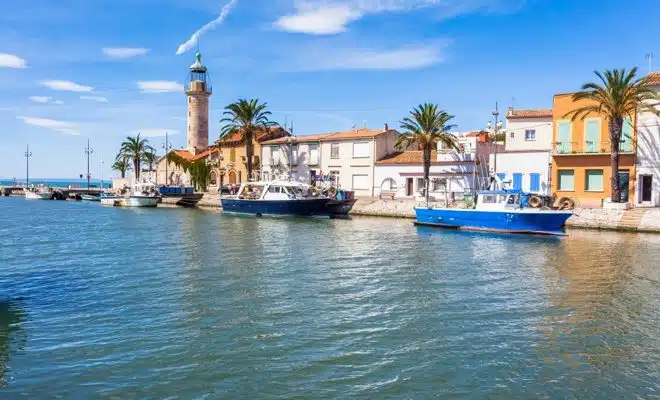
[[167, 147], [89, 151], [28, 154]]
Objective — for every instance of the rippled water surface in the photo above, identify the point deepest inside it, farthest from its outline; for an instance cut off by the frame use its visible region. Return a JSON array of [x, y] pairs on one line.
[[101, 302]]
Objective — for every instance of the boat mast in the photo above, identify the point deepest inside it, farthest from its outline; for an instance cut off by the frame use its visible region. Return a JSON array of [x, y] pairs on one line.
[[28, 154]]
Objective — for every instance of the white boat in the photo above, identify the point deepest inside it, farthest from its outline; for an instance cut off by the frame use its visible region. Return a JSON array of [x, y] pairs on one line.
[[140, 195], [40, 193]]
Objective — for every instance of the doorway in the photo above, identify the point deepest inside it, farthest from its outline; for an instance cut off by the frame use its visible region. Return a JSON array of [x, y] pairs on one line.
[[232, 177], [409, 187], [646, 188], [624, 185]]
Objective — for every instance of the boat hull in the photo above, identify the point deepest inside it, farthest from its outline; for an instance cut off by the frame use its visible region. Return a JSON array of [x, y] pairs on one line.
[[533, 221], [133, 201], [300, 208], [37, 196], [340, 207], [89, 197]]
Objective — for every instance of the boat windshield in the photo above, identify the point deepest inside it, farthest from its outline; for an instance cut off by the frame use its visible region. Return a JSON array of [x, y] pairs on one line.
[[251, 191]]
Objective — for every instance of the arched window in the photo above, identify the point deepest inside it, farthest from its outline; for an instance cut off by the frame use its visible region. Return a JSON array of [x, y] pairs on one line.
[[388, 184], [214, 178]]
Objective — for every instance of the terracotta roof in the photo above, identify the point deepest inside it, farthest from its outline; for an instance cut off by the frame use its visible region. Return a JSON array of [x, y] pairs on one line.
[[654, 78], [414, 157], [261, 135], [475, 133], [184, 154], [538, 113], [355, 134], [299, 139], [205, 153]]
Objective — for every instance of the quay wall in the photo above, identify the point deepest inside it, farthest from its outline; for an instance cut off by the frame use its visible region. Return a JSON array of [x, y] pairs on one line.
[[634, 220]]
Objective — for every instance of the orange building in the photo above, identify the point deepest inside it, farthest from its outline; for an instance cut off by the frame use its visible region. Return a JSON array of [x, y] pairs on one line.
[[581, 165]]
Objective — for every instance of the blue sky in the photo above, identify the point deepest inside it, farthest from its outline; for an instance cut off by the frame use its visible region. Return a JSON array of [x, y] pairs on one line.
[[72, 70]]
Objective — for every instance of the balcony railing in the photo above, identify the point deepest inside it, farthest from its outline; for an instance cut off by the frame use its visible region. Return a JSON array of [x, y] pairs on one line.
[[589, 147]]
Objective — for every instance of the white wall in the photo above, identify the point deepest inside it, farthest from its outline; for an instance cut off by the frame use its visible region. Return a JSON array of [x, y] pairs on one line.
[[347, 166], [648, 155], [542, 126], [176, 175], [525, 163], [303, 161], [459, 178]]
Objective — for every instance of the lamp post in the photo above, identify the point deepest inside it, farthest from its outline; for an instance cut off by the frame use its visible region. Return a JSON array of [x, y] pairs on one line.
[[167, 146], [28, 154], [89, 151], [290, 140]]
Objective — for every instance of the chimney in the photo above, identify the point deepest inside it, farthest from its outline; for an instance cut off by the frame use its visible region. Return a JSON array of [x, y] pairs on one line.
[[387, 128]]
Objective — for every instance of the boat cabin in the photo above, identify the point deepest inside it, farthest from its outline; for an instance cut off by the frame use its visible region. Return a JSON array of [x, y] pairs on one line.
[[498, 200], [275, 190]]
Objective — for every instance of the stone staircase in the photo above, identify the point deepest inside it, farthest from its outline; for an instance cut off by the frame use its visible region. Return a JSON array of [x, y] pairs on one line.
[[632, 218]]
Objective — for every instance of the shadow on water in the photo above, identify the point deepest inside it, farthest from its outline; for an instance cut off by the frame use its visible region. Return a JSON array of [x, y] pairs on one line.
[[11, 340]]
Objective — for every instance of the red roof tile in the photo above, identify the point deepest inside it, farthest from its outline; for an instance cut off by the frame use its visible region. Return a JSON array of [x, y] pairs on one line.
[[261, 135], [363, 133], [299, 139], [538, 113], [654, 78], [414, 157], [184, 154]]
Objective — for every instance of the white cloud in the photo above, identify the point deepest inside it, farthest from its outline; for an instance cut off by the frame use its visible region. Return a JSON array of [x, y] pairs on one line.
[[155, 132], [58, 102], [327, 17], [11, 61], [59, 126], [407, 57], [39, 99], [190, 43], [160, 86], [121, 53], [100, 99], [66, 86]]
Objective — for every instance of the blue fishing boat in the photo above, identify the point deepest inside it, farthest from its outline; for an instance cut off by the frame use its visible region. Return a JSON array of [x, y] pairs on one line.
[[497, 210], [277, 198]]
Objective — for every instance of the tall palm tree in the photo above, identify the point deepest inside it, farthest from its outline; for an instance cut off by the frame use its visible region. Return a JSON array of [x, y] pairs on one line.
[[427, 126], [619, 95], [121, 165], [134, 150], [247, 118]]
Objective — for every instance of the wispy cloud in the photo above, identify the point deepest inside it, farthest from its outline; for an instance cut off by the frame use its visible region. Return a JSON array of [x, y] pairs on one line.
[[99, 99], [406, 57], [190, 43], [65, 86], [160, 86], [122, 53], [11, 61], [155, 132], [39, 99], [59, 126], [58, 102], [327, 17]]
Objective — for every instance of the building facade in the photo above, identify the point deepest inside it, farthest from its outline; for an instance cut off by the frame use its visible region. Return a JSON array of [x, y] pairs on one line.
[[648, 154], [295, 157], [581, 166], [525, 162]]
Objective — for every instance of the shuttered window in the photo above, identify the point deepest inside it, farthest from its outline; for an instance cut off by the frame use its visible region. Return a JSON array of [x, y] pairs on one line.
[[566, 180], [594, 180], [360, 149], [534, 182], [360, 182]]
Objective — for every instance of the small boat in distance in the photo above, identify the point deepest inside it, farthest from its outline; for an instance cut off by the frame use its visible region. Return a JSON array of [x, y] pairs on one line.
[[90, 197], [277, 198], [498, 211], [39, 193], [139, 195]]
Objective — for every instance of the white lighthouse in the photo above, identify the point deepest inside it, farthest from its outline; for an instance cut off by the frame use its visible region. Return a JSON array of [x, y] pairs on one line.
[[198, 91]]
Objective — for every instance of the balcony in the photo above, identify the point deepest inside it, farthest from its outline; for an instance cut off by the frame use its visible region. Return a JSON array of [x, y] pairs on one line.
[[588, 148]]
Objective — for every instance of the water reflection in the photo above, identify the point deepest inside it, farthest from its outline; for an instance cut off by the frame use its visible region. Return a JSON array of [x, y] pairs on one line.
[[11, 316]]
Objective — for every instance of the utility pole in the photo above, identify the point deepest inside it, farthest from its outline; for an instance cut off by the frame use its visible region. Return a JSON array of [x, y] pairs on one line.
[[167, 148], [28, 154], [89, 152], [496, 131]]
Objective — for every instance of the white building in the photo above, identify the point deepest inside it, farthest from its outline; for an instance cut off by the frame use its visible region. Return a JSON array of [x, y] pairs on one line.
[[453, 172], [526, 164], [648, 154], [295, 156]]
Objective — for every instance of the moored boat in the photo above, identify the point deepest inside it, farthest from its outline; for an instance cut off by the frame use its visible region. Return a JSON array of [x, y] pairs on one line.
[[40, 193], [140, 195], [496, 210], [90, 197], [277, 198]]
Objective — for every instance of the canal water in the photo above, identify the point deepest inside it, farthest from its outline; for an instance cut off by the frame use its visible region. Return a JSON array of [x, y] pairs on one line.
[[119, 303]]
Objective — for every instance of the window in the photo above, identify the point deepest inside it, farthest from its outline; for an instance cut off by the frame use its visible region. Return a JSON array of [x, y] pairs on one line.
[[274, 189], [593, 180], [517, 181], [275, 155], [232, 154], [361, 150], [334, 150], [421, 185], [592, 135], [530, 134], [439, 185], [189, 113], [360, 182], [489, 199], [625, 144], [534, 182], [313, 154], [566, 179], [294, 154], [512, 134], [564, 137]]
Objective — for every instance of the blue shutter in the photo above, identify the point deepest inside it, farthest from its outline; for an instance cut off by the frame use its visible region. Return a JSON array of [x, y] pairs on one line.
[[502, 176], [517, 181], [534, 182]]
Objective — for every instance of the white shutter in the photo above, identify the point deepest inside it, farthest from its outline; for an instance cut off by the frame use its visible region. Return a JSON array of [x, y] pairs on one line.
[[361, 182], [360, 149]]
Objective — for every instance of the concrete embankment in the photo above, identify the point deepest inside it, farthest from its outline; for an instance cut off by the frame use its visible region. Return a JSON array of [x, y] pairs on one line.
[[633, 220]]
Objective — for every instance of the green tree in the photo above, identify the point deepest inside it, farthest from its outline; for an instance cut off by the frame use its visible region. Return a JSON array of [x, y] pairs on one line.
[[247, 118], [134, 150], [618, 96], [426, 126], [121, 165], [199, 170], [150, 159]]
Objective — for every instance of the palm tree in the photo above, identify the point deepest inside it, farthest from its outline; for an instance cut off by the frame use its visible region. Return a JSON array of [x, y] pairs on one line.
[[134, 150], [246, 117], [619, 96], [427, 126], [122, 165]]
